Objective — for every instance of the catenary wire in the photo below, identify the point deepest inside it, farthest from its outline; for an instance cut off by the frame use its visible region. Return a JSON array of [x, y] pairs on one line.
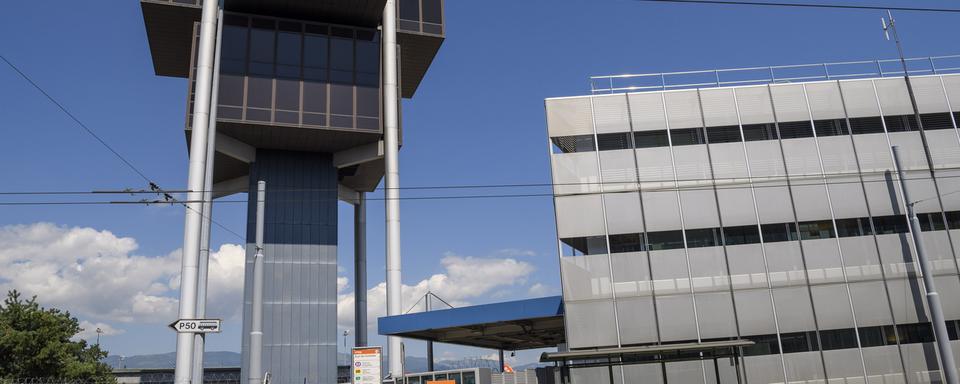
[[805, 5], [103, 142]]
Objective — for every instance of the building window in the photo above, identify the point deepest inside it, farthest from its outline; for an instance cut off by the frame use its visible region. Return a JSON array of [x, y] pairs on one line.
[[570, 144], [763, 345], [901, 123], [745, 234], [838, 339], [778, 232], [885, 225], [795, 130], [580, 246], [854, 227], [728, 134], [933, 121], [865, 125], [623, 243], [757, 132], [877, 336], [915, 333], [931, 222], [953, 219], [812, 230], [688, 136], [834, 127], [799, 342], [665, 240], [705, 237], [651, 139], [613, 141]]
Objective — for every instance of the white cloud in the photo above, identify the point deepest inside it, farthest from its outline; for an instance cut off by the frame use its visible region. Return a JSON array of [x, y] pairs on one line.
[[89, 331], [98, 277], [514, 252], [464, 279], [538, 289]]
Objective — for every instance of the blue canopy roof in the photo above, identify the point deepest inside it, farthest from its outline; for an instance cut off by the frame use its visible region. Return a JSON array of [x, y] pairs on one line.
[[512, 325]]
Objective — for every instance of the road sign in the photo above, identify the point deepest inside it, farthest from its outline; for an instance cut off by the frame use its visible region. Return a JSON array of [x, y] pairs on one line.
[[366, 365], [196, 325]]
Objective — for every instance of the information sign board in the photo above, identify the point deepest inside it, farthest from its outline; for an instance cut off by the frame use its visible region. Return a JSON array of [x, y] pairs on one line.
[[366, 365]]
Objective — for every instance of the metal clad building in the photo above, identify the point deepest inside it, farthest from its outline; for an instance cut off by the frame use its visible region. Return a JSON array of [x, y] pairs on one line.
[[769, 213]]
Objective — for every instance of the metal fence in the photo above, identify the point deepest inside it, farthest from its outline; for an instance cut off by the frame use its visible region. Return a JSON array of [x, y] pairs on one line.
[[932, 65]]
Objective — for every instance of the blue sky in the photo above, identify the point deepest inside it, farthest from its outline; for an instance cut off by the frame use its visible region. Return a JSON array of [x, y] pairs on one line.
[[477, 118]]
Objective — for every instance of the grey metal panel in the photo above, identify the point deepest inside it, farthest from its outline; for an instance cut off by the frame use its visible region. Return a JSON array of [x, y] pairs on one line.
[[579, 216], [662, 211], [883, 365], [736, 206], [939, 252], [832, 306], [825, 101], [586, 277], [921, 364], [640, 326], [944, 148], [922, 191], [907, 299], [896, 253], [699, 209], [755, 312], [569, 116], [754, 103], [859, 97], [655, 167], [823, 261], [669, 269], [589, 375], [793, 309], [763, 369], [785, 263], [646, 112], [719, 107], [948, 287], [618, 170], [929, 94], [300, 233], [708, 269], [894, 99], [952, 86], [949, 181], [676, 318], [847, 198], [575, 173], [610, 113], [911, 149], [803, 366], [747, 269], [590, 323], [729, 162], [646, 373], [838, 155], [811, 202], [860, 258], [631, 275], [773, 203], [690, 372], [692, 162], [766, 159], [789, 103], [844, 365], [683, 109], [873, 152], [715, 315], [625, 214], [801, 157]]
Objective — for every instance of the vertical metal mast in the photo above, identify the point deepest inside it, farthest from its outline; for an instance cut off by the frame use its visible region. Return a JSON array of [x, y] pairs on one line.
[[256, 319], [193, 214], [360, 270], [391, 104], [947, 364], [200, 338]]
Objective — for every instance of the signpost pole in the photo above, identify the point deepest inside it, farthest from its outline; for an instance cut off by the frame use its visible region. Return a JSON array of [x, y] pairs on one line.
[[256, 321]]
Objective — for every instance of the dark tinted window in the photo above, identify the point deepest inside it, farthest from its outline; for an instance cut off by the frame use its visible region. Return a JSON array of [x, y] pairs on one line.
[[953, 329], [630, 242], [822, 229], [288, 94], [763, 345], [838, 339], [729, 134], [288, 54], [409, 10], [953, 219], [835, 127], [569, 144], [853, 227], [931, 222], [864, 125], [778, 232], [579, 246], [877, 336], [689, 136], [233, 49], [746, 234], [665, 240], [885, 225], [795, 129], [262, 51], [706, 237], [613, 141], [650, 139], [259, 92], [756, 132], [936, 121], [432, 11], [915, 333], [799, 342], [901, 123]]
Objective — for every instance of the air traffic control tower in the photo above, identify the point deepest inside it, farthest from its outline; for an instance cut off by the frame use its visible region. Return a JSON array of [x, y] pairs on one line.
[[299, 105]]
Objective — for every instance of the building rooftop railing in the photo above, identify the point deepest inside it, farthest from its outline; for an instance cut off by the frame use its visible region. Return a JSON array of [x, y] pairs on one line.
[[772, 75]]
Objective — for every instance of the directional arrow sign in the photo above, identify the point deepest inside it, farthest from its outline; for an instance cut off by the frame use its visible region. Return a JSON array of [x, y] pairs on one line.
[[196, 325]]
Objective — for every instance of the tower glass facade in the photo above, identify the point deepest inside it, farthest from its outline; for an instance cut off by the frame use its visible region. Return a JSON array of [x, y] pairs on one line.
[[769, 213]]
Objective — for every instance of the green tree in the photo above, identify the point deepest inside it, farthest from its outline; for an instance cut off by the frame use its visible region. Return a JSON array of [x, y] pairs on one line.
[[35, 342]]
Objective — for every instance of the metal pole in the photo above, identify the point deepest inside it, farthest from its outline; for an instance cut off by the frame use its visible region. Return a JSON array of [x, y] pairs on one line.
[[429, 342], [200, 338], [913, 98], [391, 104], [360, 270], [256, 320], [193, 215], [501, 361], [947, 364]]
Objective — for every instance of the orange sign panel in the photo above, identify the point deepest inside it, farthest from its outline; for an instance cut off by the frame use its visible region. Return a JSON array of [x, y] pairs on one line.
[[441, 382]]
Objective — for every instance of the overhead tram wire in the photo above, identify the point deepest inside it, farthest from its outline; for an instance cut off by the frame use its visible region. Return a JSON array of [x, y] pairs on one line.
[[104, 143], [805, 5]]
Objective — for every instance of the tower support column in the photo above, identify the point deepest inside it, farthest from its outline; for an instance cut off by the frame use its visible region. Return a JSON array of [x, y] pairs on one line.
[[360, 270], [391, 104]]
